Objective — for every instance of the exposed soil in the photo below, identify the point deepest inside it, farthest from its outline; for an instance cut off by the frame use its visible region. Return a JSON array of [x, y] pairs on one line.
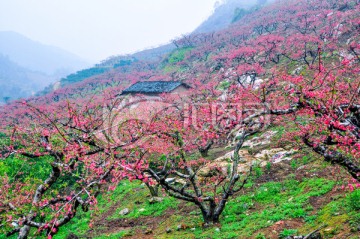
[[218, 152], [116, 225], [273, 231], [318, 202], [278, 172], [141, 225]]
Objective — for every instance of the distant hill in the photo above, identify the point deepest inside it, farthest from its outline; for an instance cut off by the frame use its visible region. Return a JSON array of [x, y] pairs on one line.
[[37, 56], [111, 63], [225, 14], [18, 82]]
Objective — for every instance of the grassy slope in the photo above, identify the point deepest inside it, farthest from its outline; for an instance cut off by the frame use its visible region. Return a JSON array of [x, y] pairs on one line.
[[280, 201], [293, 197]]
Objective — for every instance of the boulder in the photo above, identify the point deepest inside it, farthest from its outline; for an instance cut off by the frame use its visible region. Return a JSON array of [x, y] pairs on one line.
[[275, 155], [155, 200], [264, 139], [224, 163], [148, 231], [124, 212], [175, 181]]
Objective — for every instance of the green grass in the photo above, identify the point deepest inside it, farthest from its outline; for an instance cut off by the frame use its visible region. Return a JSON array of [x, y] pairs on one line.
[[138, 203], [178, 55], [258, 209], [353, 200], [244, 216], [287, 232], [114, 235]]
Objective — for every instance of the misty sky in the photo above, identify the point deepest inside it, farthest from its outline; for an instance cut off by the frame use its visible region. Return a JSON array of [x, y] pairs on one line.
[[97, 29]]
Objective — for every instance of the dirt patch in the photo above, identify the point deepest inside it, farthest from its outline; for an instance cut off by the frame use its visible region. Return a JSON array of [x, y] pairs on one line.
[[320, 201], [278, 172], [215, 153], [345, 234], [273, 231], [116, 225], [140, 226]]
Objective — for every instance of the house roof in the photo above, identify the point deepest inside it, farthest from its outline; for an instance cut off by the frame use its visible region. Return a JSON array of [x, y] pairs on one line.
[[153, 87]]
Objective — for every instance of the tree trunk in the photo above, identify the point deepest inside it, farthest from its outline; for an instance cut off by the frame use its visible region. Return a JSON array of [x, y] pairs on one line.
[[154, 190], [209, 213], [24, 232], [210, 219], [205, 150]]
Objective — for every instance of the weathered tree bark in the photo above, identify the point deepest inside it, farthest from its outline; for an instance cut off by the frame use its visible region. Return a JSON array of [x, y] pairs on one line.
[[154, 190], [54, 175], [210, 210], [335, 157], [204, 151]]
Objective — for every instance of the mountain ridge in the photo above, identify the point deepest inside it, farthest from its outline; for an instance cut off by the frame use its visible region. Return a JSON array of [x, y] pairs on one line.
[[36, 56]]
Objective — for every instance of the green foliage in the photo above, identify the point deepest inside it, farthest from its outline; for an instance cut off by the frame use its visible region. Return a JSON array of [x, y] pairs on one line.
[[139, 205], [258, 170], [79, 225], [123, 63], [239, 14], [268, 166], [171, 68], [178, 55], [287, 232], [294, 164], [274, 201], [224, 85], [83, 74], [24, 170], [260, 236], [243, 217], [353, 200], [170, 63]]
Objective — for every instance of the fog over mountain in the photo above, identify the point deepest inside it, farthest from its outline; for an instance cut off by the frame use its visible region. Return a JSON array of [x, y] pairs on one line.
[[39, 57], [17, 82], [27, 66]]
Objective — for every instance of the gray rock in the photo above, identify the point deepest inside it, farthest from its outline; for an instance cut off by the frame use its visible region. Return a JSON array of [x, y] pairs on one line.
[[168, 230], [148, 231], [170, 180], [124, 212], [301, 167], [155, 200]]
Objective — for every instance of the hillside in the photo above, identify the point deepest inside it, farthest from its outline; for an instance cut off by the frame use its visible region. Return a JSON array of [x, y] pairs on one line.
[[264, 144], [36, 56], [223, 15], [27, 67], [18, 82]]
